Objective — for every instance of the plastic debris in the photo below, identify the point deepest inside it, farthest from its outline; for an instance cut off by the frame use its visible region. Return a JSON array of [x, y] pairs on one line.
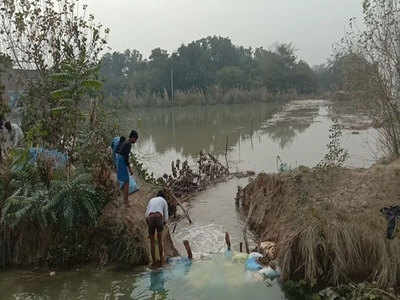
[[252, 264], [59, 159], [270, 273]]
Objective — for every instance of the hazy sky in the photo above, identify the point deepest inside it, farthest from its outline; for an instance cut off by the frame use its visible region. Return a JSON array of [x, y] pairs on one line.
[[312, 25]]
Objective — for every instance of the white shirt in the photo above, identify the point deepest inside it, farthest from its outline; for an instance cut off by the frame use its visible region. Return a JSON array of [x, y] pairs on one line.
[[157, 204], [13, 137]]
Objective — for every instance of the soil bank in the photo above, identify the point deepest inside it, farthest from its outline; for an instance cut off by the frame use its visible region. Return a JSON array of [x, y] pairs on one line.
[[327, 222]]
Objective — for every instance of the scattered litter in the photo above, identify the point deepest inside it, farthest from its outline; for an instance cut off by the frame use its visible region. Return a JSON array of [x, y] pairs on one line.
[[252, 264], [270, 273]]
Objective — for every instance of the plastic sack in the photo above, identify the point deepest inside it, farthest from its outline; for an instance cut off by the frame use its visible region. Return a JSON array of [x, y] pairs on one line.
[[252, 264], [133, 187], [270, 273], [255, 255]]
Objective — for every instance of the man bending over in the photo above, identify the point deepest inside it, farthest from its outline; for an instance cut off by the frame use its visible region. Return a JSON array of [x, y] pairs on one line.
[[156, 218]]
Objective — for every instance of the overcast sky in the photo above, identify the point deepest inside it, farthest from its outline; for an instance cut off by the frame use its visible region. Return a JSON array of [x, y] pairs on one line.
[[312, 25]]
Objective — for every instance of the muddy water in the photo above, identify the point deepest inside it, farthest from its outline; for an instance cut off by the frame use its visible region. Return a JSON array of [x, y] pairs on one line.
[[257, 134]]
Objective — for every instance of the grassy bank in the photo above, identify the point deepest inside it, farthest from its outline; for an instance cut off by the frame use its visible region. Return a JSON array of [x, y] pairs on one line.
[[213, 96], [327, 223]]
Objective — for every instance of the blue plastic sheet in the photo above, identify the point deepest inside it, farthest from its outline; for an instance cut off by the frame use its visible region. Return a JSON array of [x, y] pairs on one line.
[[252, 264], [60, 159]]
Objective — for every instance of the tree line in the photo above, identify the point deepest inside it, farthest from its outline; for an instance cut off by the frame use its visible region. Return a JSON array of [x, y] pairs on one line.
[[207, 63]]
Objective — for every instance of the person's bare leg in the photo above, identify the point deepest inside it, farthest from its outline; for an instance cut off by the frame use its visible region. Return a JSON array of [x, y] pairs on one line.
[[153, 249], [126, 193], [160, 247]]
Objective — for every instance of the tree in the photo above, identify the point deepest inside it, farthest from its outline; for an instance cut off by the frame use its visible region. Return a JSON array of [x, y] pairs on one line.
[[305, 81], [53, 38], [5, 64], [160, 67], [375, 75], [230, 77], [276, 68]]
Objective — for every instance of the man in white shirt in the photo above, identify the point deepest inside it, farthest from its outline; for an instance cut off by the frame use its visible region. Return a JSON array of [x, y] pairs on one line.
[[11, 136], [156, 217], [14, 134]]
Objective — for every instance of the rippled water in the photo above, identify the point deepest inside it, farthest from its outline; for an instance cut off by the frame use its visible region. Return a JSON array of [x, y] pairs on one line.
[[256, 135]]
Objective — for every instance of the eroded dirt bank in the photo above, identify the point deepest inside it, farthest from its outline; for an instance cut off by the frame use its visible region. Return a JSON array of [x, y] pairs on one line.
[[124, 235], [327, 222]]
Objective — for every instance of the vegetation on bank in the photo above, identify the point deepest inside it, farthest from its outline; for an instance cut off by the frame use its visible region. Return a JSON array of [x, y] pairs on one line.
[[49, 212], [371, 73], [209, 70]]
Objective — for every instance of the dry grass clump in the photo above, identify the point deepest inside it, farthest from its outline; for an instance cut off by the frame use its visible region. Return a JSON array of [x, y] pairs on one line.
[[329, 252], [327, 224]]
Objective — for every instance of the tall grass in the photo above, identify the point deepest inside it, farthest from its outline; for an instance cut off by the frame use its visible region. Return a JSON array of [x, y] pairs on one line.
[[214, 95], [322, 240]]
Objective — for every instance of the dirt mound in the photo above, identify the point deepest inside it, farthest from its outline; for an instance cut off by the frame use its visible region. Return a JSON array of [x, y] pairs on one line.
[[124, 230], [327, 222]]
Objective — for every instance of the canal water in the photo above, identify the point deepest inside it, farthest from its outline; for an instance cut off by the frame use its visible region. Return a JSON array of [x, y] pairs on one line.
[[258, 137]]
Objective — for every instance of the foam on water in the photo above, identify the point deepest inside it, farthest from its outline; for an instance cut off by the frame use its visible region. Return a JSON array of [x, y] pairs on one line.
[[204, 239]]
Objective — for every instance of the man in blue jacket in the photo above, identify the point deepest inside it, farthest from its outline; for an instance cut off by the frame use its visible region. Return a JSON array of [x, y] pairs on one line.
[[123, 167]]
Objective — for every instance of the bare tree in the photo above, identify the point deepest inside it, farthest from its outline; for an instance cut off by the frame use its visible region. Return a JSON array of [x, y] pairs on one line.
[[375, 74]]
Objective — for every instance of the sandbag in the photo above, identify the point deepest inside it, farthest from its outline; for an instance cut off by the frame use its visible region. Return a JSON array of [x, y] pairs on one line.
[[252, 264]]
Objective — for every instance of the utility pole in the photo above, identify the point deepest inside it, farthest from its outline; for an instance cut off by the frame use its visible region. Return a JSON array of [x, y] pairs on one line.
[[172, 85]]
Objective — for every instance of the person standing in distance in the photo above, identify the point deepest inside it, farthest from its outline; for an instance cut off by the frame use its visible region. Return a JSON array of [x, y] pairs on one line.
[[123, 167], [156, 218]]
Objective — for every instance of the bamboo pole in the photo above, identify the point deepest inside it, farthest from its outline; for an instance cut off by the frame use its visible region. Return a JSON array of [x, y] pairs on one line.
[[246, 243]]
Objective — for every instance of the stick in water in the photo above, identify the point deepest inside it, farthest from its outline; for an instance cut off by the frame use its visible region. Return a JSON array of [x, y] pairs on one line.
[[188, 250], [246, 243], [228, 241]]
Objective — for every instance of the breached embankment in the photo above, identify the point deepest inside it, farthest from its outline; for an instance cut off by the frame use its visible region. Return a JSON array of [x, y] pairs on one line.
[[123, 231], [327, 223]]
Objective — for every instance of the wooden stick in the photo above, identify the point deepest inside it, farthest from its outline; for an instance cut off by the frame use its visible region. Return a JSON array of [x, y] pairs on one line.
[[228, 241], [226, 153], [241, 247], [188, 249], [246, 243], [181, 206]]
